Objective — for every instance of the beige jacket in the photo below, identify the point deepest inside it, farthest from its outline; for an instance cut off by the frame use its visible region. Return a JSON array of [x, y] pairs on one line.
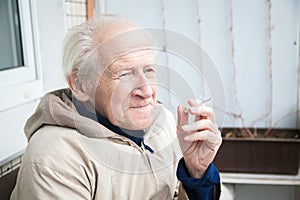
[[73, 157]]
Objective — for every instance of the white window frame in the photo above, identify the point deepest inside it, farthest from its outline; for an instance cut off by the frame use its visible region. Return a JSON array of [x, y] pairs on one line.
[[23, 84]]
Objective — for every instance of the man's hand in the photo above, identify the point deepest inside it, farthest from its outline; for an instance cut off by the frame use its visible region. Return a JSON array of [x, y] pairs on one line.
[[200, 140]]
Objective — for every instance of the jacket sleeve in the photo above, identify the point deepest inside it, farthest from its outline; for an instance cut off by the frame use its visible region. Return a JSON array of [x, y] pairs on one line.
[[206, 188], [37, 181]]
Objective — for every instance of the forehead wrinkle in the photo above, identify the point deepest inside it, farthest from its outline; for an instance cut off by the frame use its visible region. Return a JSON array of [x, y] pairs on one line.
[[119, 65], [133, 60]]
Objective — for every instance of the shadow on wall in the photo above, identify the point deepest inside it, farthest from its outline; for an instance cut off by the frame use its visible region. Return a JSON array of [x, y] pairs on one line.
[[7, 183]]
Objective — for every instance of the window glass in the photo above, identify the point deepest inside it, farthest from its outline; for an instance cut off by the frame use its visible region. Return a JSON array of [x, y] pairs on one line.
[[11, 53]]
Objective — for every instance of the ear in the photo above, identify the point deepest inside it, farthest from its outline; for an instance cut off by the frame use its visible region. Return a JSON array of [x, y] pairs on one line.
[[77, 87]]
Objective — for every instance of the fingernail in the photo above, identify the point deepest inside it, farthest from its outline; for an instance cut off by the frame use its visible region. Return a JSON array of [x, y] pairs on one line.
[[184, 127], [186, 110], [179, 107], [187, 138]]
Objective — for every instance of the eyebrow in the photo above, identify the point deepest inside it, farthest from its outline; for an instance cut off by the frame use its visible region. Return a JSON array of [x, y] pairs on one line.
[[122, 67], [119, 68]]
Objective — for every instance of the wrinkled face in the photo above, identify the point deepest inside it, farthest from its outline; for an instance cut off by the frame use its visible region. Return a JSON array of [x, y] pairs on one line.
[[126, 92]]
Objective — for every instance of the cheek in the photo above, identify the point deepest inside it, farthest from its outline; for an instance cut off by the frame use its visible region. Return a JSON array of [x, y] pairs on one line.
[[103, 96], [121, 92], [119, 100]]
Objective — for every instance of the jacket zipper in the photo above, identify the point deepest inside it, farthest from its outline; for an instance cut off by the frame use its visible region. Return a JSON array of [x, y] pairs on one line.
[[143, 148]]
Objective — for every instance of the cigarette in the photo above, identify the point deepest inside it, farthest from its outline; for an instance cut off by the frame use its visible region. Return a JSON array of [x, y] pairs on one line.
[[199, 103], [205, 100]]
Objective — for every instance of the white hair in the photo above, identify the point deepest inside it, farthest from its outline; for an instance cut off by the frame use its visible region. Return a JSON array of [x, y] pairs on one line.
[[79, 53]]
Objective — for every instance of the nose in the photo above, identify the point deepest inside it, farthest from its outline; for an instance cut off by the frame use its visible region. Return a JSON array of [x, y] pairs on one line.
[[144, 91], [143, 88]]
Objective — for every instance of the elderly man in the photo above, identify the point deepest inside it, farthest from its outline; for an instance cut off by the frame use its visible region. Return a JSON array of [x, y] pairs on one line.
[[107, 137]]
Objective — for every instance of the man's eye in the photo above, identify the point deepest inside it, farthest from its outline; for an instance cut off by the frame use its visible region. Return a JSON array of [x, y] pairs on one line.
[[150, 72], [125, 75]]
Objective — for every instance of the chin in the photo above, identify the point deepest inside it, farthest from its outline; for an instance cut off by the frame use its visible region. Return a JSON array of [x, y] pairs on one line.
[[140, 119], [140, 124]]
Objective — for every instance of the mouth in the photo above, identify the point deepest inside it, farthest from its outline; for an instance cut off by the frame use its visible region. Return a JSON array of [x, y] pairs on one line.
[[142, 107], [141, 115]]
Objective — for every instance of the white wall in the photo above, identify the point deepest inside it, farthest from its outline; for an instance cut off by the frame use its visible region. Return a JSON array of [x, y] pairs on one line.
[[251, 40], [49, 28], [251, 33]]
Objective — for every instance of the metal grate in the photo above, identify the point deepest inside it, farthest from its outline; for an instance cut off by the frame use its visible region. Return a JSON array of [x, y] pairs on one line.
[[75, 12], [10, 166]]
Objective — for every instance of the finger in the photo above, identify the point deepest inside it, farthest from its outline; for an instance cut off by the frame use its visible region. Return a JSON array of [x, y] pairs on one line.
[[194, 102], [182, 116], [204, 124], [196, 136], [204, 111], [211, 138], [198, 102], [197, 110]]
